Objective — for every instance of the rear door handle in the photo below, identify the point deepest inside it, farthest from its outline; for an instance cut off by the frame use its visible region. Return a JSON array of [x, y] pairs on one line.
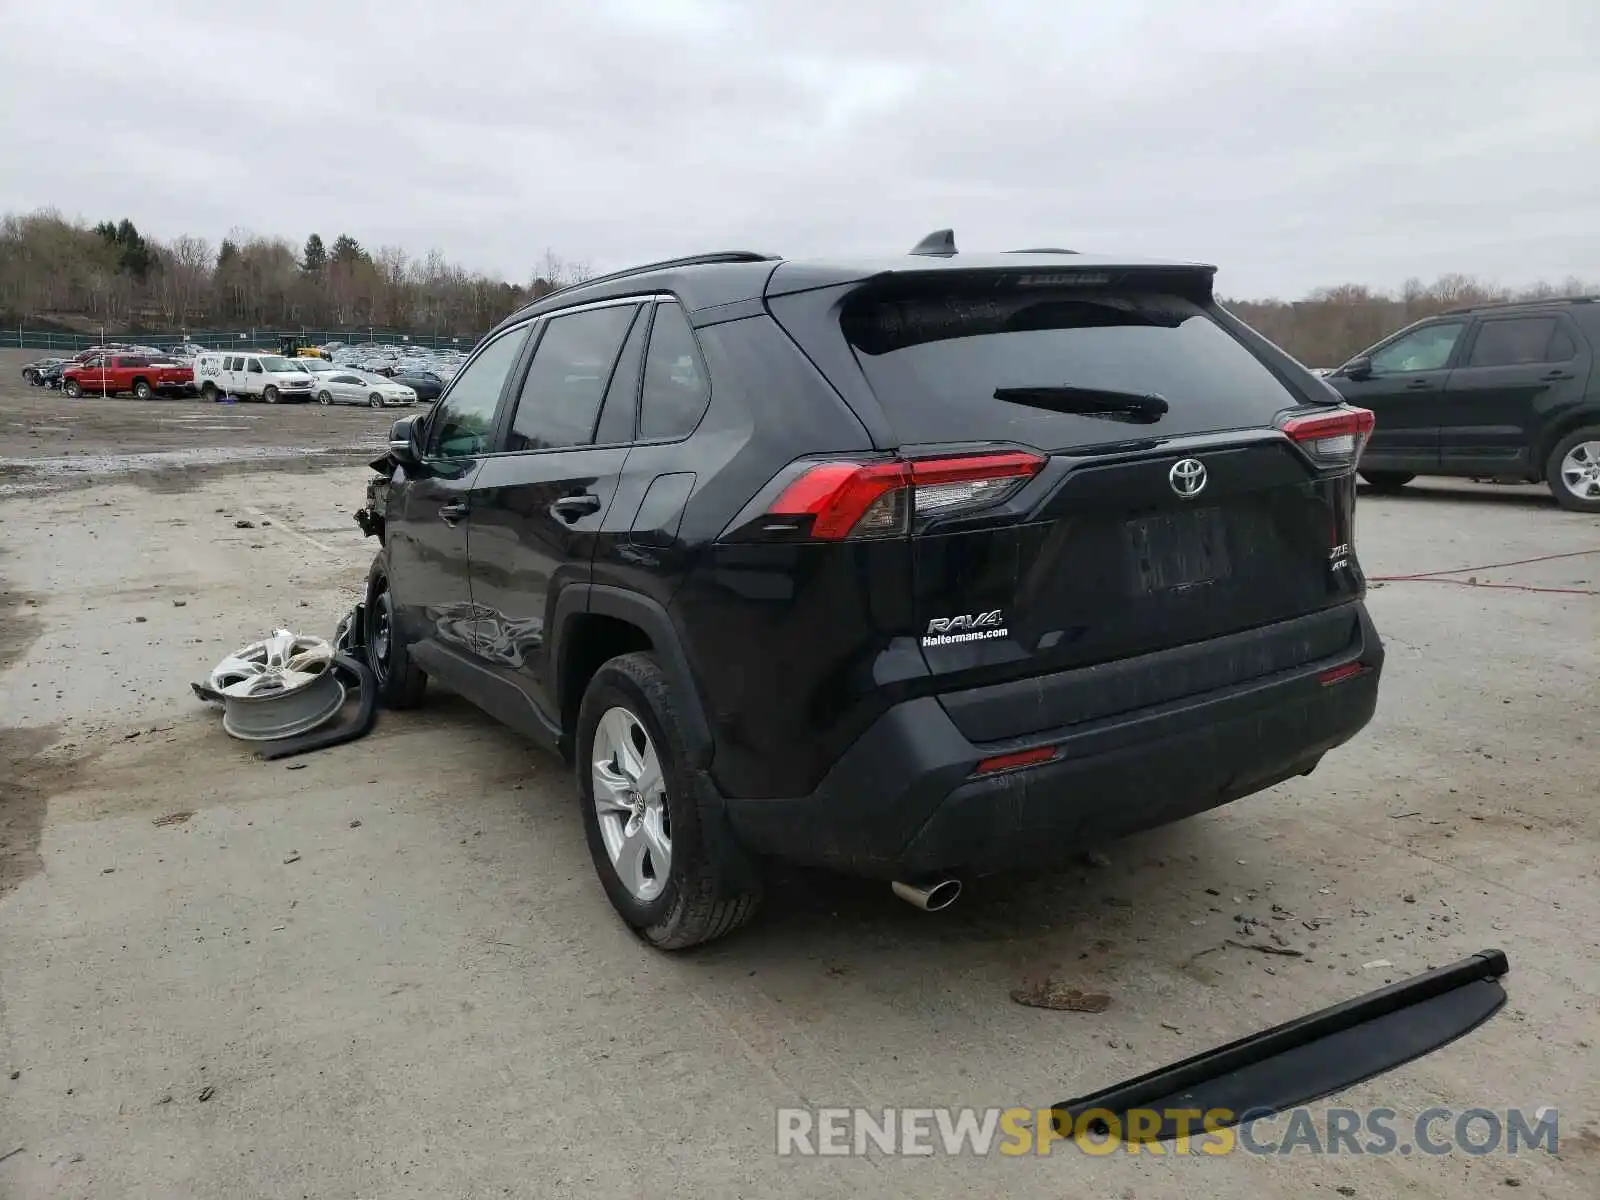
[[1558, 374], [451, 513], [1417, 385], [570, 508]]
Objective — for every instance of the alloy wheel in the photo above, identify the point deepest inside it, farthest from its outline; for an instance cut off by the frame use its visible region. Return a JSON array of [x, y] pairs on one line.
[[630, 799], [1580, 471]]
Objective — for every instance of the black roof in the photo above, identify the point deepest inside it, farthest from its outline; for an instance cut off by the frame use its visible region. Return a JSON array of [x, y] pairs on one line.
[[726, 277]]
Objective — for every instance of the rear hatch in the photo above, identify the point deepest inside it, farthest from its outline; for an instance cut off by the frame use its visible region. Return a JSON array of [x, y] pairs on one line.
[[1150, 499]]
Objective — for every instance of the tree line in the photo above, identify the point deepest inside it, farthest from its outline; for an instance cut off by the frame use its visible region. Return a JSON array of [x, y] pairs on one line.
[[55, 270], [58, 271]]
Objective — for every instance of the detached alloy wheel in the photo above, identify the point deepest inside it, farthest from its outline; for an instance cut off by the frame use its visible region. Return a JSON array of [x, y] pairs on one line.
[[655, 828], [1573, 472]]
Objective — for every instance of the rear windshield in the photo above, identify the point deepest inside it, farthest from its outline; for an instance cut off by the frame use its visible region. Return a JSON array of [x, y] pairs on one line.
[[935, 360]]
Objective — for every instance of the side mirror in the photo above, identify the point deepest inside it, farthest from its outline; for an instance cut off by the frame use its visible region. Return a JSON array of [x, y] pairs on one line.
[[1357, 369], [405, 440]]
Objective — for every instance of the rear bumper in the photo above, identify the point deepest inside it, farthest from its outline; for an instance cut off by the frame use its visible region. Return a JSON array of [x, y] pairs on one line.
[[903, 802]]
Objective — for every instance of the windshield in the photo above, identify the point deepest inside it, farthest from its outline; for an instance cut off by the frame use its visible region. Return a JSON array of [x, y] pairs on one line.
[[273, 362]]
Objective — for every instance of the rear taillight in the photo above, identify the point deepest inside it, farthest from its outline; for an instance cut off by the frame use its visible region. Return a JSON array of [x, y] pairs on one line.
[[836, 500], [1332, 439]]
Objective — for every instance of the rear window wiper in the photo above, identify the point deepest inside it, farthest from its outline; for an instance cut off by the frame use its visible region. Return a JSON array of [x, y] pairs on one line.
[[1136, 408]]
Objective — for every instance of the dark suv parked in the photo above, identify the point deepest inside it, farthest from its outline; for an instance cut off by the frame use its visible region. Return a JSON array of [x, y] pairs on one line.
[[916, 568], [1500, 390]]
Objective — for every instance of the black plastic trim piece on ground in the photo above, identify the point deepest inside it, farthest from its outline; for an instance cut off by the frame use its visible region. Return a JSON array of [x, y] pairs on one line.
[[337, 733], [1305, 1059]]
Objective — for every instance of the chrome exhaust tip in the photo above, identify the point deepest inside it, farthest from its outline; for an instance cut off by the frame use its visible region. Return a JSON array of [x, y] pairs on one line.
[[934, 896]]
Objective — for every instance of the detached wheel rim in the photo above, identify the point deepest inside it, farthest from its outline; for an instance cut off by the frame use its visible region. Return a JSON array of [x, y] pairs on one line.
[[1580, 471], [630, 800]]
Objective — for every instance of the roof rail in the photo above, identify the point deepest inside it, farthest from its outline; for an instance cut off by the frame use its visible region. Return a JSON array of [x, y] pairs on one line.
[[1499, 304], [692, 260], [1043, 250]]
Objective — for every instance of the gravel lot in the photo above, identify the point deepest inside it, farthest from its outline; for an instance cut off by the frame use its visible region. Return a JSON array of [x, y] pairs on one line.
[[387, 970]]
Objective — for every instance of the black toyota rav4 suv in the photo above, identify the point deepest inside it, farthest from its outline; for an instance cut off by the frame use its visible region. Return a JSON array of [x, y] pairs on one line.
[[916, 568]]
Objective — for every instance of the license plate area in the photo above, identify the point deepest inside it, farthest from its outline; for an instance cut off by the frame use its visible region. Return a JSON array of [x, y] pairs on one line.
[[1178, 549]]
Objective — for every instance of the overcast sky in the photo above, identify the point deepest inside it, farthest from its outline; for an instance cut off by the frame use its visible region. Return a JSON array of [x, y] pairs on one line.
[[1292, 142]]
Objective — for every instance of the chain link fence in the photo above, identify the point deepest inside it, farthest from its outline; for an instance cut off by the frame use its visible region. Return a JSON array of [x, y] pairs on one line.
[[19, 338]]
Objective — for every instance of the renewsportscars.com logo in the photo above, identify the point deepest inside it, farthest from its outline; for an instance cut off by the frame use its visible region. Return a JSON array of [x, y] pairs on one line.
[[979, 1132], [968, 627]]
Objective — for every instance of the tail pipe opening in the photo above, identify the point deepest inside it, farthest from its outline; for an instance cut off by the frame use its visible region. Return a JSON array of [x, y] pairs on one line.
[[931, 895]]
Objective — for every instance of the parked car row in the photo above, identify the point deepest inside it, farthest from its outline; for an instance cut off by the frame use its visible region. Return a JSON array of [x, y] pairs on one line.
[[217, 375], [395, 361], [273, 378]]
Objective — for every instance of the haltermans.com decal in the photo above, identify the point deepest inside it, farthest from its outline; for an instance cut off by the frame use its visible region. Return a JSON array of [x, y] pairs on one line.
[[968, 627]]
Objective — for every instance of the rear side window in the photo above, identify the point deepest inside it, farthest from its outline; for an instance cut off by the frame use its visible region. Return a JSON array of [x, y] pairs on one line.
[[1054, 367], [676, 391], [572, 366], [618, 413], [1520, 340]]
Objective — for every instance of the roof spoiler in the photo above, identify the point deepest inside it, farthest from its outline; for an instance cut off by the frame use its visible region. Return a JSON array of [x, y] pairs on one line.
[[1300, 1061]]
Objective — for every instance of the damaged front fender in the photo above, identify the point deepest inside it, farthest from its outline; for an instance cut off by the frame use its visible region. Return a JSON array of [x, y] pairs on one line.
[[372, 518]]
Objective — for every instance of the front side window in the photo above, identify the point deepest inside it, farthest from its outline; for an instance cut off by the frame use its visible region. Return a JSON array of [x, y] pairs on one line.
[[561, 396], [1426, 349], [1520, 340], [462, 422], [675, 388], [255, 366]]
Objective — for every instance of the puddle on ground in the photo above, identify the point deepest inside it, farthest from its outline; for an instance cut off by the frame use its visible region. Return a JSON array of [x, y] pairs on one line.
[[41, 474]]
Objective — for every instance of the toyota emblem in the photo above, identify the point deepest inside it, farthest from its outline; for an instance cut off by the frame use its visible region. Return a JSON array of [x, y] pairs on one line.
[[1188, 477]]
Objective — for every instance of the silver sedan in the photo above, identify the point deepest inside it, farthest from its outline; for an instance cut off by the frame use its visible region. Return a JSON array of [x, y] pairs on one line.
[[361, 387]]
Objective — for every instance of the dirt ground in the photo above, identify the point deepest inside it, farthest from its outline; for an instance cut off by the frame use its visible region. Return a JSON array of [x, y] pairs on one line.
[[388, 970]]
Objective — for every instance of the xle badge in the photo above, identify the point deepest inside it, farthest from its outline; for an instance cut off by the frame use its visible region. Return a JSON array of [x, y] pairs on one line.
[[1339, 557], [968, 627]]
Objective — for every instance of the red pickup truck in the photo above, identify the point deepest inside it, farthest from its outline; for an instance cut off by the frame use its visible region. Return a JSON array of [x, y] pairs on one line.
[[137, 373]]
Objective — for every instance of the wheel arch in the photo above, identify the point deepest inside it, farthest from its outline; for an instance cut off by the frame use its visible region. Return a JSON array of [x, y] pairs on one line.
[[595, 622], [1551, 435]]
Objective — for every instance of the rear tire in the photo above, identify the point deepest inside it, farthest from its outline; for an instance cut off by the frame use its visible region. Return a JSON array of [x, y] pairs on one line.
[[375, 400], [270, 395], [695, 896], [1572, 471], [208, 392], [72, 388], [401, 683], [1387, 481]]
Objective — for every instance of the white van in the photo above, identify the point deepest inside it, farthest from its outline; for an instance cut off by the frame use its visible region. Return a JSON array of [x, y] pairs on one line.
[[250, 375]]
